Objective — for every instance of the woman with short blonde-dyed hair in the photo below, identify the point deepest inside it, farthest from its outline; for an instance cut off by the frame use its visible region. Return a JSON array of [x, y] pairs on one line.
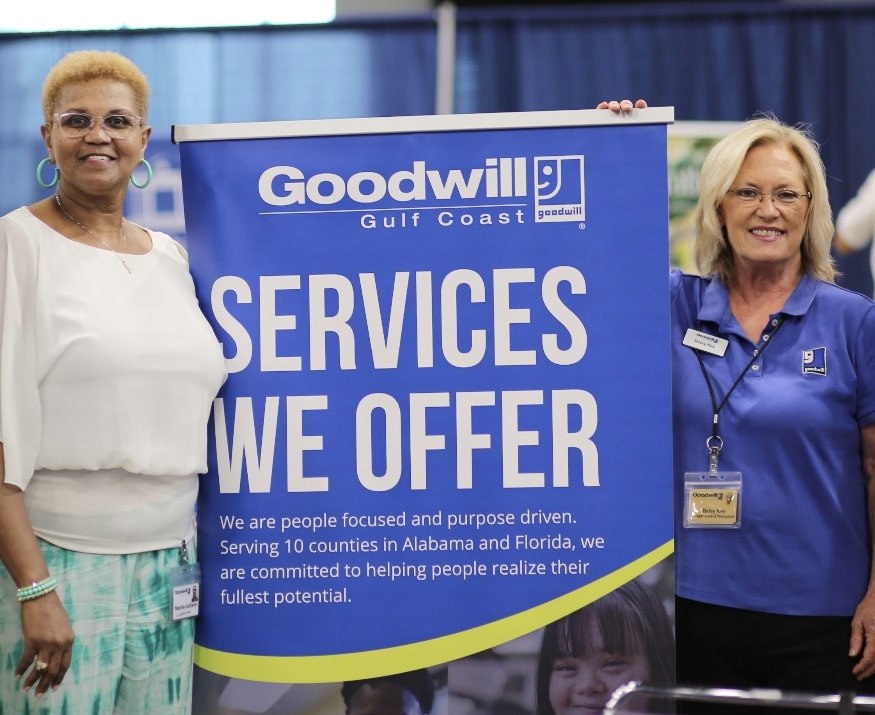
[[108, 371]]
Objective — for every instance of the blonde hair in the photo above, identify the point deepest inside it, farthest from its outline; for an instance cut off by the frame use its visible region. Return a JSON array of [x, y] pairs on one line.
[[712, 250], [86, 65]]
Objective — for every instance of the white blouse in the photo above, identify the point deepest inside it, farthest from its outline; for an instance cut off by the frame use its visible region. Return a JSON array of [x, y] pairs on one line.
[[106, 383]]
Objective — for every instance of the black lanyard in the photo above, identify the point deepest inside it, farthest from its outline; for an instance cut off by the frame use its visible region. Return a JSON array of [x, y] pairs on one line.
[[714, 443]]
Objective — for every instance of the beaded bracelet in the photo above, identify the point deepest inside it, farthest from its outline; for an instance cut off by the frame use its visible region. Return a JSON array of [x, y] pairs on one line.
[[37, 589]]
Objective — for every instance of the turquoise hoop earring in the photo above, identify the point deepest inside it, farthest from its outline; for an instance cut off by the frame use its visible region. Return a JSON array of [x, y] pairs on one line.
[[148, 175], [39, 175]]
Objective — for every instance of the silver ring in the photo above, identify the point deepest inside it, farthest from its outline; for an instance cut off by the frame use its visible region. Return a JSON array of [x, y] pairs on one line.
[[40, 665]]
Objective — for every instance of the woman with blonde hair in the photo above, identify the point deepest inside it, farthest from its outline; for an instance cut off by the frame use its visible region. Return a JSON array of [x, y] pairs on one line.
[[774, 430], [108, 370]]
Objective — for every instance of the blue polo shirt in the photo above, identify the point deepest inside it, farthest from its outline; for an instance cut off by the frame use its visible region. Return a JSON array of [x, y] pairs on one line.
[[792, 428]]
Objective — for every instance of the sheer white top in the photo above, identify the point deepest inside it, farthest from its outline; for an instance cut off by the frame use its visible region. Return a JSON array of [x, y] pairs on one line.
[[106, 383]]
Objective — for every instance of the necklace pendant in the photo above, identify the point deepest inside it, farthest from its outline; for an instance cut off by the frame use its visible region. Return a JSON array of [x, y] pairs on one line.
[[126, 265]]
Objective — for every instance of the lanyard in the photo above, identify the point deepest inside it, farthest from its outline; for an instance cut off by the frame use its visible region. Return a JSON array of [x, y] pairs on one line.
[[714, 443]]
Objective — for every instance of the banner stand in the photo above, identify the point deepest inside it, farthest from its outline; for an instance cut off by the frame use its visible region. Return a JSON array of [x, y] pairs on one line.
[[447, 423]]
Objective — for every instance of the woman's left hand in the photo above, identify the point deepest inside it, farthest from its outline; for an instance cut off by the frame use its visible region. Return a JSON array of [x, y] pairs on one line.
[[863, 637], [622, 105], [863, 623]]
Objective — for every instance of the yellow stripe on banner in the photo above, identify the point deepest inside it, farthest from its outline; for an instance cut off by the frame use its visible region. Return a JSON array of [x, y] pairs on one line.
[[367, 664]]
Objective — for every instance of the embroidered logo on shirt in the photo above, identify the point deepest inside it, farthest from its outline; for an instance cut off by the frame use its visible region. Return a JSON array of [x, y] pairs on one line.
[[814, 361]]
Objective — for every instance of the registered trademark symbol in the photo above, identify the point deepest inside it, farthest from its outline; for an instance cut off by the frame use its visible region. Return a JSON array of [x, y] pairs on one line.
[[581, 226]]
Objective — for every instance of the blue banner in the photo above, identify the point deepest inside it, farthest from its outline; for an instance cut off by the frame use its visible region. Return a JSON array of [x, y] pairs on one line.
[[447, 421]]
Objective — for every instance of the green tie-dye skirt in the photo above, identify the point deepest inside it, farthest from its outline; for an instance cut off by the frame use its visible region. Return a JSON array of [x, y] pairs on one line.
[[129, 656]]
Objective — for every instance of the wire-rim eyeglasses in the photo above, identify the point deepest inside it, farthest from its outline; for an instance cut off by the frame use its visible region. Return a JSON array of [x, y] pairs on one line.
[[75, 125], [787, 197]]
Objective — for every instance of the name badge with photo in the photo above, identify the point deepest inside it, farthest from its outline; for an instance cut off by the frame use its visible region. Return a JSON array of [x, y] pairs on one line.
[[185, 583]]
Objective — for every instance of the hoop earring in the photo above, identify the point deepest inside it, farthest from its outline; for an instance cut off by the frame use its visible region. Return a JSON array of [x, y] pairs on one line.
[[39, 175], [148, 175]]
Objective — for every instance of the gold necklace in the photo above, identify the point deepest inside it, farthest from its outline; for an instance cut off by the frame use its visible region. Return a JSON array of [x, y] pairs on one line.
[[122, 258]]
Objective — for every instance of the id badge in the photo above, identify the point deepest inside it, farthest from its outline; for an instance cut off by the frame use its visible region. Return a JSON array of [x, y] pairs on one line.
[[185, 585], [712, 500]]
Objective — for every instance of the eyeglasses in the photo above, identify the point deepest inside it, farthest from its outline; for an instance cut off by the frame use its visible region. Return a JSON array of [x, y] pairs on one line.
[[75, 125], [749, 195]]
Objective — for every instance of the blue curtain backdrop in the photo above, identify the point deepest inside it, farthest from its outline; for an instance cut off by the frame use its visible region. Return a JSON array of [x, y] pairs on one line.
[[711, 61]]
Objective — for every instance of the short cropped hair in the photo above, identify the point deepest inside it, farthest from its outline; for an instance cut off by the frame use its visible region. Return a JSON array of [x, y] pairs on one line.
[[712, 250], [86, 65]]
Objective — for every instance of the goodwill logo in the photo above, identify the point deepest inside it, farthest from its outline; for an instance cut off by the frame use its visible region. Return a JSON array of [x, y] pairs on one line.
[[495, 193], [814, 361], [559, 194]]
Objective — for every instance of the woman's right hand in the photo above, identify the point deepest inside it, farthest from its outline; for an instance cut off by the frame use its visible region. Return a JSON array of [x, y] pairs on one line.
[[48, 635], [622, 105], [48, 639]]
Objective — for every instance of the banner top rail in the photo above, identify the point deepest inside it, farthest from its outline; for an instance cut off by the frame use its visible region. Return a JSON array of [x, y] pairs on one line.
[[417, 123]]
